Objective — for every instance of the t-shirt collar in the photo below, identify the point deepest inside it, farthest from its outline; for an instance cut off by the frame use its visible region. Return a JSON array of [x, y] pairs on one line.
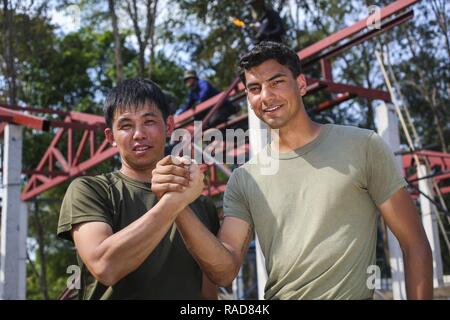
[[324, 130], [134, 182]]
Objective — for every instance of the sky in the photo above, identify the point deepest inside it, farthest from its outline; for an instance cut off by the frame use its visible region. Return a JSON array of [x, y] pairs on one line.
[[68, 20]]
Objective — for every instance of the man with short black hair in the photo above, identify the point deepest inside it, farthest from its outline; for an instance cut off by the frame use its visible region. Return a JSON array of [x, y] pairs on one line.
[[316, 217], [126, 239]]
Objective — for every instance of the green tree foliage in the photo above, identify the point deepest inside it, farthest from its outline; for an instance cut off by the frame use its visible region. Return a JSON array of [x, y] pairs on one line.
[[46, 271], [421, 62], [202, 30]]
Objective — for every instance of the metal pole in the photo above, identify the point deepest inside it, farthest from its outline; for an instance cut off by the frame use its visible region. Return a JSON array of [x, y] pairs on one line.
[[429, 221], [387, 124], [14, 225], [257, 142]]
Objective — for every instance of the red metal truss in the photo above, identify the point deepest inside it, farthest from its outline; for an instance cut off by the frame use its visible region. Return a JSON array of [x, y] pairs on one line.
[[59, 165], [10, 116], [333, 43], [16, 115], [439, 164]]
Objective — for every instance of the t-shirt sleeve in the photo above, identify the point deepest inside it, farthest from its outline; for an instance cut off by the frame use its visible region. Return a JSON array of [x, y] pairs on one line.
[[235, 202], [384, 177], [85, 200]]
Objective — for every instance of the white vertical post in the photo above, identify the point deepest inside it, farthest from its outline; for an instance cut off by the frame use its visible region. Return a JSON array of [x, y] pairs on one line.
[[257, 142], [260, 269], [387, 124], [238, 286], [22, 267], [14, 227], [429, 221]]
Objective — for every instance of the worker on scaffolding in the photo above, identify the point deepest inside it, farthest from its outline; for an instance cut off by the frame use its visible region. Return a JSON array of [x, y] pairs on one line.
[[125, 235], [267, 25], [201, 90], [313, 196]]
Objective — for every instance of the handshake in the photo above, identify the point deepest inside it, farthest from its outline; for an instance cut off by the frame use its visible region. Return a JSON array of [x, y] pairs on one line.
[[177, 178]]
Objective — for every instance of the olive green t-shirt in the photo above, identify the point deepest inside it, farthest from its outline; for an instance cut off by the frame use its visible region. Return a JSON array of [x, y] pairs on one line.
[[169, 272], [316, 216]]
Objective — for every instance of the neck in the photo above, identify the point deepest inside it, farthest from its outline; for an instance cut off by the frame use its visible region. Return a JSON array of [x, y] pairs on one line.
[[299, 132], [144, 175]]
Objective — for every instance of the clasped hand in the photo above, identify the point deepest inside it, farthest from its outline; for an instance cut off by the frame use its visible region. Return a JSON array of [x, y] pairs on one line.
[[178, 178]]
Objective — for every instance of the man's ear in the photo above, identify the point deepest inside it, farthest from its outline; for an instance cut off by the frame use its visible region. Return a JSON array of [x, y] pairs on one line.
[[110, 137], [170, 126], [301, 82]]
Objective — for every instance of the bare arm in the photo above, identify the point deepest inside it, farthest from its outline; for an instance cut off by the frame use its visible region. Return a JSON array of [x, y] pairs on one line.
[[402, 218], [209, 289], [219, 257], [111, 256]]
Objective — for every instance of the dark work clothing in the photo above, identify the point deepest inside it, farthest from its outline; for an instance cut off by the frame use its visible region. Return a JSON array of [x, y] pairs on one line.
[[169, 272], [271, 27], [202, 92]]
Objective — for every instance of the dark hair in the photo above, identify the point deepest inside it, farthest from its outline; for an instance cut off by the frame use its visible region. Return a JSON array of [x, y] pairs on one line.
[[267, 50], [133, 94]]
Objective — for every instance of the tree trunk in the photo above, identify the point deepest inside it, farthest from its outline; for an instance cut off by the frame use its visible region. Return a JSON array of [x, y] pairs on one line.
[[429, 97], [142, 61], [8, 40], [440, 132], [370, 115], [152, 39], [148, 34], [437, 121], [117, 44], [440, 13], [41, 251]]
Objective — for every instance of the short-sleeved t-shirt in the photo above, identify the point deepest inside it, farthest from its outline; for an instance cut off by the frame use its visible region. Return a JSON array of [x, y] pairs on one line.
[[169, 272], [316, 214]]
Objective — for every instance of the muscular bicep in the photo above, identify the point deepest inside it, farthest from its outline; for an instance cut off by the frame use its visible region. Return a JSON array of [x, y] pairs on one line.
[[236, 234], [88, 237], [402, 218]]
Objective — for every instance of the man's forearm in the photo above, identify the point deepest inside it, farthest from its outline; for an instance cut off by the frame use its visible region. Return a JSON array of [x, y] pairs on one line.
[[418, 273], [216, 261], [124, 251]]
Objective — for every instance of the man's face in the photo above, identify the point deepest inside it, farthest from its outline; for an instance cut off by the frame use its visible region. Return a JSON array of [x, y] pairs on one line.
[[274, 93], [190, 82], [140, 135]]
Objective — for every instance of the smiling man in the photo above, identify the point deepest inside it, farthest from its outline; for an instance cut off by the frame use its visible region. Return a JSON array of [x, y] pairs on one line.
[[316, 218], [127, 243]]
